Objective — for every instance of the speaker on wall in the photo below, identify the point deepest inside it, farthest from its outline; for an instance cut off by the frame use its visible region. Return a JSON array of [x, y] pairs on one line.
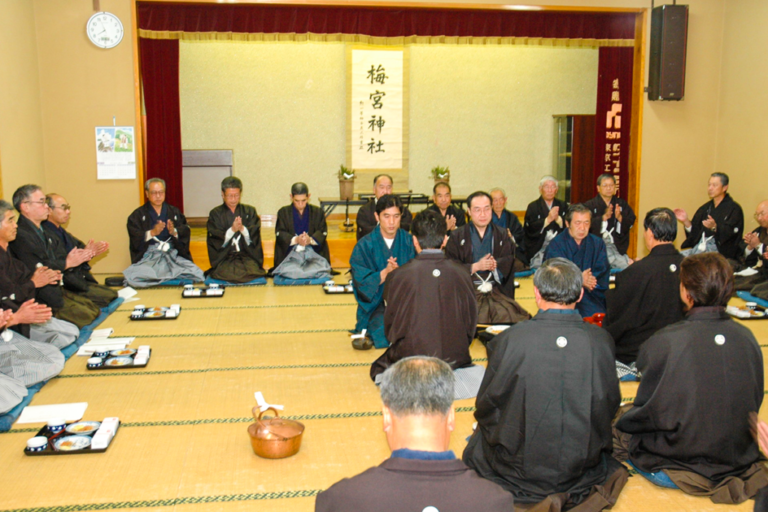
[[669, 34]]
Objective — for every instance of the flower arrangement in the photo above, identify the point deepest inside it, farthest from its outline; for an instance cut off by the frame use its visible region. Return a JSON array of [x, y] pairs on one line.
[[345, 174], [440, 173]]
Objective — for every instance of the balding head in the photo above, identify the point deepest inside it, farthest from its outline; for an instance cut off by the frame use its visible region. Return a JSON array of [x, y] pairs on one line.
[[761, 214]]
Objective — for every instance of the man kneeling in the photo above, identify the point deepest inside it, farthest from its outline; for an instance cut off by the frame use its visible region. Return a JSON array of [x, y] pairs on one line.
[[422, 473], [545, 407]]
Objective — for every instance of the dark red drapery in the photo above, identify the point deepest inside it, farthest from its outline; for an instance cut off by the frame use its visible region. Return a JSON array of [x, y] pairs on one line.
[[383, 21], [613, 115], [159, 61]]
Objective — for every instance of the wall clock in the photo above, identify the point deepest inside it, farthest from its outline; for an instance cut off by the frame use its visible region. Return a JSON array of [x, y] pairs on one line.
[[105, 30]]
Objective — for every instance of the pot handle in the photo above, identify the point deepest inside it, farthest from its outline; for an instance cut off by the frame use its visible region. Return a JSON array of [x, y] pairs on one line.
[[262, 412]]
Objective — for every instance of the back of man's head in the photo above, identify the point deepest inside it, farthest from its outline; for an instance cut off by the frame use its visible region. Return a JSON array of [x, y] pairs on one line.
[[22, 194], [662, 223], [418, 385], [559, 280], [429, 228]]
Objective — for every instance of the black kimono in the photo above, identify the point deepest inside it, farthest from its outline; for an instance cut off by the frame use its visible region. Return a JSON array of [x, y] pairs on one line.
[[240, 260], [497, 306], [16, 286], [545, 408], [140, 221], [405, 484], [621, 239], [646, 298], [730, 226], [535, 230], [701, 379], [78, 279], [35, 247], [458, 213], [284, 232], [509, 220], [431, 311], [366, 219]]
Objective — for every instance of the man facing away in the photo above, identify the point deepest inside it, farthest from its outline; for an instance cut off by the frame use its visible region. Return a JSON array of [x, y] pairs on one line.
[[76, 279], [544, 219], [720, 220], [588, 252], [35, 248], [422, 474], [374, 257], [431, 308], [646, 297], [234, 237], [488, 254], [366, 215], [441, 203], [545, 407], [159, 241], [300, 227]]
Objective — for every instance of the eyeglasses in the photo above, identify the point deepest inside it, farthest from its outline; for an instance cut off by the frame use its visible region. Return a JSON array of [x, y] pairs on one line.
[[156, 192], [757, 215], [39, 203], [64, 207]]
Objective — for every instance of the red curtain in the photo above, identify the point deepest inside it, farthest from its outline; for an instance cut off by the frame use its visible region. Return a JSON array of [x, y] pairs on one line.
[[383, 21], [159, 60], [614, 115]]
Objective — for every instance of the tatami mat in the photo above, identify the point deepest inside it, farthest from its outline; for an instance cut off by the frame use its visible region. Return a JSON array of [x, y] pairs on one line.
[[184, 445]]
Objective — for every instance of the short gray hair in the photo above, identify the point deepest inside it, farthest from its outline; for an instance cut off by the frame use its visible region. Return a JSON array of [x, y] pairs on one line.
[[497, 189], [577, 208], [559, 280], [5, 206], [418, 385], [22, 194], [548, 178], [150, 181], [231, 182]]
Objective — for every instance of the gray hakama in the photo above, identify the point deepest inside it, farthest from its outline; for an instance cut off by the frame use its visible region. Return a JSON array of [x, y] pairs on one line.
[[58, 333], [12, 392], [158, 266], [29, 361]]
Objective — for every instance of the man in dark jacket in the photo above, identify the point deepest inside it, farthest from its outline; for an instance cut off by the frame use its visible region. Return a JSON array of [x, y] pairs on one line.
[[422, 473], [544, 219], [300, 224], [366, 215], [610, 213]]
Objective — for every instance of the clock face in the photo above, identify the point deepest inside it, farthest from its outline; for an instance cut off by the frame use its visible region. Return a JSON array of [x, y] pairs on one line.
[[105, 30]]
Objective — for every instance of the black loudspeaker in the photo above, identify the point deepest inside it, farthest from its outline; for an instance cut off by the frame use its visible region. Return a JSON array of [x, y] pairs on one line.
[[669, 35]]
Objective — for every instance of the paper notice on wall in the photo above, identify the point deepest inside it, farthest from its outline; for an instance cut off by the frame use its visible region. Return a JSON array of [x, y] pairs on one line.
[[115, 153], [377, 106]]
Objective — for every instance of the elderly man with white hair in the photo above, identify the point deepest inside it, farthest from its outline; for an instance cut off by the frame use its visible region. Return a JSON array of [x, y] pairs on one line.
[[544, 219]]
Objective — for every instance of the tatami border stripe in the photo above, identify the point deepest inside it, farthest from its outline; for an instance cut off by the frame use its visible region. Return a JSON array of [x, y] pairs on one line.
[[188, 500], [212, 334], [227, 369], [269, 306], [246, 419]]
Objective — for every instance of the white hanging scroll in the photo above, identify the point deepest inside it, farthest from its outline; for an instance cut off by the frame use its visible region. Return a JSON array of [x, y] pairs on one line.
[[377, 109]]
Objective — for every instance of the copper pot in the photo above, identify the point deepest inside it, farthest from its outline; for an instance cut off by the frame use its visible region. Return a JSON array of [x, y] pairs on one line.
[[274, 438]]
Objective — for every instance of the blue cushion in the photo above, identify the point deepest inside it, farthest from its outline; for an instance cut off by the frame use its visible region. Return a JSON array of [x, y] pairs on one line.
[[616, 270], [284, 281], [256, 282], [525, 273], [630, 378], [748, 297], [7, 419], [659, 478], [174, 282]]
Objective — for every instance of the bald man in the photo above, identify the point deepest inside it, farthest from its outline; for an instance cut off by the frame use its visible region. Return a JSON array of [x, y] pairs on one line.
[[366, 215], [77, 279], [754, 249]]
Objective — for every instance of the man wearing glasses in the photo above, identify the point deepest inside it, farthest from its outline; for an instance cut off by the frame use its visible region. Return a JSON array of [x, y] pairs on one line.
[[755, 251], [76, 279], [159, 241], [36, 248]]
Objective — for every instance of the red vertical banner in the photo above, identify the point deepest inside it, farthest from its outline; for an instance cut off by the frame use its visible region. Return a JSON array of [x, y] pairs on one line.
[[613, 115]]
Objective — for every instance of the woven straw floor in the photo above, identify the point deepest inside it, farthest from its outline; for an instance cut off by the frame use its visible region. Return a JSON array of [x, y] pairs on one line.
[[183, 444]]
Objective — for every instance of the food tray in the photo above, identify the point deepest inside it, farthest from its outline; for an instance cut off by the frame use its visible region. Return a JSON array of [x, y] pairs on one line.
[[153, 314], [104, 366], [204, 293], [758, 309], [49, 450]]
